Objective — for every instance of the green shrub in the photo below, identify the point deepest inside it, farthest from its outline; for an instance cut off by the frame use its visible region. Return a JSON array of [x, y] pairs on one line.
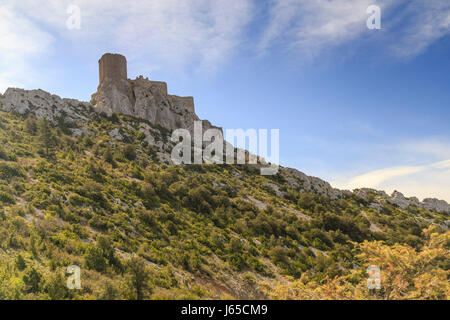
[[32, 278], [129, 152], [7, 198], [9, 171], [3, 154], [77, 200], [95, 260]]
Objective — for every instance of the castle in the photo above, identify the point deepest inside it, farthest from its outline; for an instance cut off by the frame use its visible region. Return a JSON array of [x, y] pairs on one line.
[[141, 97]]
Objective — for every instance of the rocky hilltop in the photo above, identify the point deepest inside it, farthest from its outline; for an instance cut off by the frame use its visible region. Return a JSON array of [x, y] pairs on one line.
[[150, 101], [141, 97], [45, 105], [379, 198]]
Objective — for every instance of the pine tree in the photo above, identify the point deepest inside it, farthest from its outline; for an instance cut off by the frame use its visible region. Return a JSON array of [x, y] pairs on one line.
[[138, 277], [108, 155], [46, 136], [31, 125], [20, 263]]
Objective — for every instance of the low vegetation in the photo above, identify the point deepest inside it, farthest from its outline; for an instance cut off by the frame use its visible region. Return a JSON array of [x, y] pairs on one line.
[[140, 229]]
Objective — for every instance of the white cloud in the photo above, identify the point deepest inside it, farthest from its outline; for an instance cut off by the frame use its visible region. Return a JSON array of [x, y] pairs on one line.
[[202, 35], [313, 26], [428, 21], [375, 178], [20, 41], [428, 180], [431, 147], [199, 34]]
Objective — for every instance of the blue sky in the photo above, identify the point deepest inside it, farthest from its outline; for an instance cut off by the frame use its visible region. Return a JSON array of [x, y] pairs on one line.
[[354, 106]]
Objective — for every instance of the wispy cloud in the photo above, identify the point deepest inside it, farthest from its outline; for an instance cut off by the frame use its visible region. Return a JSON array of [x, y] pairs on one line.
[[313, 26], [199, 34], [437, 148], [424, 22], [310, 26], [423, 180], [20, 41], [202, 35]]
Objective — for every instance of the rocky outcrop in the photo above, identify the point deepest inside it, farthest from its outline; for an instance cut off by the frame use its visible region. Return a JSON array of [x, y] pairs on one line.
[[364, 192], [141, 97], [298, 180], [45, 105], [436, 205], [398, 199]]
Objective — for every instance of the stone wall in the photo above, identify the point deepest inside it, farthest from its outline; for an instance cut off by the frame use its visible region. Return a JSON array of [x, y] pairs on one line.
[[184, 103]]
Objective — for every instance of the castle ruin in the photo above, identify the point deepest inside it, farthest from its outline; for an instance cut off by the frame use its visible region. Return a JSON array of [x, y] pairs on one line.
[[140, 97]]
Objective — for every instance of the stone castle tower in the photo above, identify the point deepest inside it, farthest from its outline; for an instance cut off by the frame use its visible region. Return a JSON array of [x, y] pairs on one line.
[[113, 66]]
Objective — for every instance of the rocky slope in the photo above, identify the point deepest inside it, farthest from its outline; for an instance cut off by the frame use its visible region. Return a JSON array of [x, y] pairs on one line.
[[92, 184], [105, 197], [174, 112]]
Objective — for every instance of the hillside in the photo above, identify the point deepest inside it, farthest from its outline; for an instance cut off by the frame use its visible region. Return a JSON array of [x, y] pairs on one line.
[[96, 192]]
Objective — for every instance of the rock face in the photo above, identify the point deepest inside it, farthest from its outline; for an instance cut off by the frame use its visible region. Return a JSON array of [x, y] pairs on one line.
[[401, 201], [141, 97], [364, 192], [436, 205], [45, 105], [299, 180]]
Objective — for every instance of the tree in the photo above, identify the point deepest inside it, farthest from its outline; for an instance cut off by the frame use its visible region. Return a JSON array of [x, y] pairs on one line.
[[129, 152], [306, 201], [108, 155], [278, 255], [138, 277], [109, 291], [33, 245], [46, 136], [147, 190], [56, 287], [32, 278], [95, 259], [107, 247], [31, 125], [405, 274], [20, 263]]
